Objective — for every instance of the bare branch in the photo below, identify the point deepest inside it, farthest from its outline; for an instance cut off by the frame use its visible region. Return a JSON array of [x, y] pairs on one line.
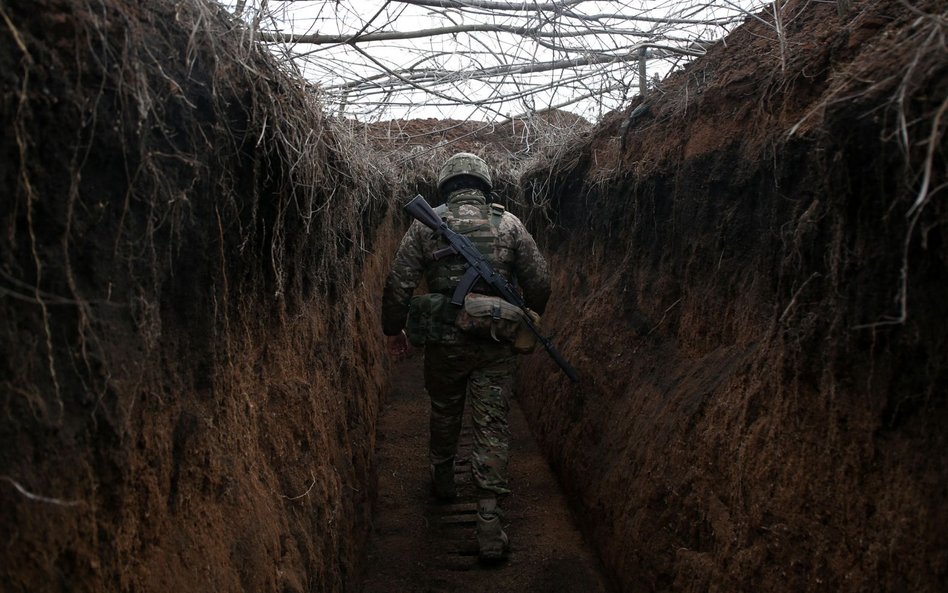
[[489, 56], [317, 39], [488, 5]]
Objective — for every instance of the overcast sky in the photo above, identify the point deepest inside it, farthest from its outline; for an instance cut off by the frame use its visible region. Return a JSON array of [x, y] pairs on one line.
[[578, 57]]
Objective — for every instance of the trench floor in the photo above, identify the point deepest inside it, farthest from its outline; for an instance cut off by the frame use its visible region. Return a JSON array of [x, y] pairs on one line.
[[421, 545]]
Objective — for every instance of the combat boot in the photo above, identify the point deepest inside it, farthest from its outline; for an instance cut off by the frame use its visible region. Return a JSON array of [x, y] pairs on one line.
[[492, 542], [442, 480]]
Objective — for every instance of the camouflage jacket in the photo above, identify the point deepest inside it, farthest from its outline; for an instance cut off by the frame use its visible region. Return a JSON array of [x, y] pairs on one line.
[[506, 245]]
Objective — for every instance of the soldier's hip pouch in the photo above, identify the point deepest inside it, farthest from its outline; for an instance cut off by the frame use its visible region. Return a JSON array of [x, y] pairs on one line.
[[428, 317], [493, 317]]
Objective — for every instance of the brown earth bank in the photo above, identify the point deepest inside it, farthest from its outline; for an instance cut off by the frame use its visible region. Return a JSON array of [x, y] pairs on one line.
[[750, 276], [190, 260], [417, 148]]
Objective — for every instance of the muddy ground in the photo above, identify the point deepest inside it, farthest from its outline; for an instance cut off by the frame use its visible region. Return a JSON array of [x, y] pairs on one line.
[[419, 544]]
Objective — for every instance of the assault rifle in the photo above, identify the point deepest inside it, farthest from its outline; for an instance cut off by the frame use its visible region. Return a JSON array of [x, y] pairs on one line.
[[478, 267]]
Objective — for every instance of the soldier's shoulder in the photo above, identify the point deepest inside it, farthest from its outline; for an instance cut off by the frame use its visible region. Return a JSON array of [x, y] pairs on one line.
[[416, 233], [416, 227], [510, 223]]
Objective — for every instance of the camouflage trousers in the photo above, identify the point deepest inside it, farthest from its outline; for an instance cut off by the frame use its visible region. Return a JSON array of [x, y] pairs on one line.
[[483, 374]]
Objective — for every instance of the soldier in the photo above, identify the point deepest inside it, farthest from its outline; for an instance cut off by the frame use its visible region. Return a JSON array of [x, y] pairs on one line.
[[459, 364]]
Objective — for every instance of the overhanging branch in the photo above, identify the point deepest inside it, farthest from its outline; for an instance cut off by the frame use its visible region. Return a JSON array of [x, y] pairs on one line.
[[318, 39]]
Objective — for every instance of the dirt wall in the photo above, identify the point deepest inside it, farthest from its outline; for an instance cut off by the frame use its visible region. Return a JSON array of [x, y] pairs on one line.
[[417, 148], [757, 410], [190, 260]]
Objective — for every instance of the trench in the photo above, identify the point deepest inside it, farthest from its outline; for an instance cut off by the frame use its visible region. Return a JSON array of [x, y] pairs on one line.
[[421, 544], [749, 275]]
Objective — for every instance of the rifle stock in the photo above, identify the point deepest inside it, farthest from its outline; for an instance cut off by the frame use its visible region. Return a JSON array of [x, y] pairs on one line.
[[479, 267], [422, 211]]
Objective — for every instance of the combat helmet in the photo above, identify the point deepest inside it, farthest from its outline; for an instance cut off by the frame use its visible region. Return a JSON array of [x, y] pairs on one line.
[[465, 163]]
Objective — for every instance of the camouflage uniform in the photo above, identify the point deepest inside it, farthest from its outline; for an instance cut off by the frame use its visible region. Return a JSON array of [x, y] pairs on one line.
[[460, 365]]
